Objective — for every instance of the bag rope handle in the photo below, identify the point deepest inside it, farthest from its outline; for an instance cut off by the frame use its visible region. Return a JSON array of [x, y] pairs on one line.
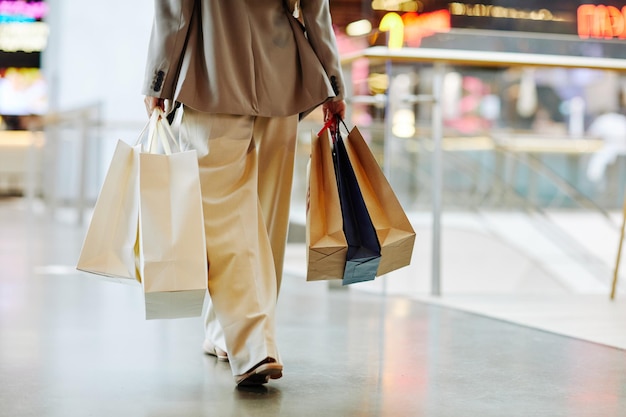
[[158, 126]]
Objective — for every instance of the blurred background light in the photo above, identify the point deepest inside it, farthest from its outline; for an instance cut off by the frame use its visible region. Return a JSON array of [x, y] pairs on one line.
[[359, 28]]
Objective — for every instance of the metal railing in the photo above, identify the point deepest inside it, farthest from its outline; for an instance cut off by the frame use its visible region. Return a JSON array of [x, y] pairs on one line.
[[86, 120], [440, 59]]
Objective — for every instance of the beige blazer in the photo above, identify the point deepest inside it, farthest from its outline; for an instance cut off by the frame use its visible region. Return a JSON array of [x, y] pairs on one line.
[[247, 57]]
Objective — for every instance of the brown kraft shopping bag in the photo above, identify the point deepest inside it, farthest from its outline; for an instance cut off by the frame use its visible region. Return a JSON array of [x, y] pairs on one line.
[[394, 231], [325, 239]]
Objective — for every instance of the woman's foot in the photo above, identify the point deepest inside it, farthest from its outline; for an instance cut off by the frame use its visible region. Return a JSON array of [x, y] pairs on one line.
[[261, 373], [210, 349]]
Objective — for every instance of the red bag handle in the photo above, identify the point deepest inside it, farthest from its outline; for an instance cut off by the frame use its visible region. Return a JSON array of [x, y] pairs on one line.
[[329, 123]]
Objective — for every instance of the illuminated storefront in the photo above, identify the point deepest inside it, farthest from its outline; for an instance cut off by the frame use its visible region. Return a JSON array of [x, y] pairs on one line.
[[582, 19], [23, 93], [23, 37], [486, 103]]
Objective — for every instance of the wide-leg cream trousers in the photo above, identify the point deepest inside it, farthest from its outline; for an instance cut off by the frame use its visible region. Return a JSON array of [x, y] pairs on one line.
[[246, 172]]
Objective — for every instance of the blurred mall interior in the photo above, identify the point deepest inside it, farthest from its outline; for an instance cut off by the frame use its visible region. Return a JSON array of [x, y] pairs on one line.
[[501, 126]]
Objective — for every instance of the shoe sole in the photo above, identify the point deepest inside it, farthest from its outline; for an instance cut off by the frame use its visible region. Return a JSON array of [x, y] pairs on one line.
[[261, 375]]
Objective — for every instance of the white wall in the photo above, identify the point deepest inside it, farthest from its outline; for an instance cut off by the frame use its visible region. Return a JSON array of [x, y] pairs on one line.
[[96, 54]]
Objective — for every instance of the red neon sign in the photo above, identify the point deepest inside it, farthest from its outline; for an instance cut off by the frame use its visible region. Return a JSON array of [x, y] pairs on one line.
[[602, 22], [418, 26]]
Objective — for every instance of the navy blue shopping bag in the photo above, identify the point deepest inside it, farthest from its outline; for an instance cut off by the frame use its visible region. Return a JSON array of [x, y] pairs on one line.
[[363, 257]]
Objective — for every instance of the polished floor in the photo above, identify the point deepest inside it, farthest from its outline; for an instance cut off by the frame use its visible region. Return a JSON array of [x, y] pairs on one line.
[[72, 345], [551, 272]]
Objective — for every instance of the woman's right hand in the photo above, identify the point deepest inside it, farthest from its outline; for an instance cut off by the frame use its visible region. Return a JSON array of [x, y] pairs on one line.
[[332, 108], [153, 103]]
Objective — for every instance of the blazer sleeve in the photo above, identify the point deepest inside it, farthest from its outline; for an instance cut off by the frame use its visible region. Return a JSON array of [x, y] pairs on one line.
[[319, 30], [167, 44]]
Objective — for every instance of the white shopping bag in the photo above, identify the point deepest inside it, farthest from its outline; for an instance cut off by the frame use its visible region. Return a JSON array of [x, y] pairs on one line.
[[109, 247], [172, 248], [148, 224]]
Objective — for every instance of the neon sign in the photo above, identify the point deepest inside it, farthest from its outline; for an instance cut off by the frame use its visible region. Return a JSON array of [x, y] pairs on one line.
[[488, 10], [418, 26], [602, 22], [21, 11], [412, 27], [31, 37], [398, 5], [392, 23], [23, 91]]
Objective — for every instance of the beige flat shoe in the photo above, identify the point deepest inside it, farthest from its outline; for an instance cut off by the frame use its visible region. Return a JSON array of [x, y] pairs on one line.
[[210, 349], [261, 373]]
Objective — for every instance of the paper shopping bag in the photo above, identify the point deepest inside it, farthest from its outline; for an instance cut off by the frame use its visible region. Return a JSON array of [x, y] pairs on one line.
[[173, 258], [110, 242], [363, 256], [325, 240], [394, 231]]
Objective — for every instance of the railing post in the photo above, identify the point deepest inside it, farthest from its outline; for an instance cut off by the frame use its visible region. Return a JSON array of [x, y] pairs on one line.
[[84, 154], [437, 177]]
